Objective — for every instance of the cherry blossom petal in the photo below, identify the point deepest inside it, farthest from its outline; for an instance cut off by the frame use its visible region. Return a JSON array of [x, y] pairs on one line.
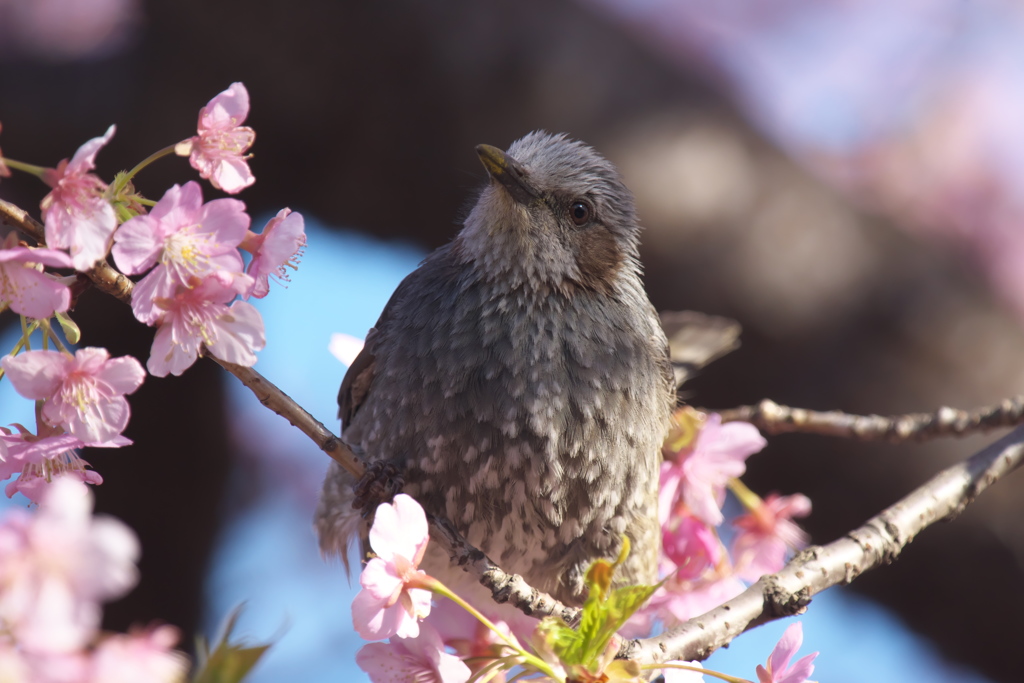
[[36, 375], [379, 579], [399, 528], [168, 356], [277, 248], [421, 658], [139, 657], [124, 375], [240, 334], [76, 214], [373, 622], [778, 661]]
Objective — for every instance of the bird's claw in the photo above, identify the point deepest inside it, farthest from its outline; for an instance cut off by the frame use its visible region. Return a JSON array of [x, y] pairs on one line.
[[381, 482]]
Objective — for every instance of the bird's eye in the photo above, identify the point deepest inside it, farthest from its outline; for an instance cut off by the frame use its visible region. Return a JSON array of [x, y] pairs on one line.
[[580, 212]]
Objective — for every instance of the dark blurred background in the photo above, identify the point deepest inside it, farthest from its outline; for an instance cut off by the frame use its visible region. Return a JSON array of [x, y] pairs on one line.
[[840, 177]]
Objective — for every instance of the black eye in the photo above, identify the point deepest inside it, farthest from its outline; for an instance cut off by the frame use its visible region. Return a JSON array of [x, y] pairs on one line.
[[580, 212]]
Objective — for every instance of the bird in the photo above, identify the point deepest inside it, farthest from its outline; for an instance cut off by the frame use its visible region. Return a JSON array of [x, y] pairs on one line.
[[520, 381]]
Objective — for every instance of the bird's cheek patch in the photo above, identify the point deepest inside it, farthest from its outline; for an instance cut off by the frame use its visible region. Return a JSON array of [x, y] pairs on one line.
[[598, 258]]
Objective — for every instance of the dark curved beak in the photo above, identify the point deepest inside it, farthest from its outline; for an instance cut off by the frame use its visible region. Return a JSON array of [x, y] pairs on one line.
[[509, 172]]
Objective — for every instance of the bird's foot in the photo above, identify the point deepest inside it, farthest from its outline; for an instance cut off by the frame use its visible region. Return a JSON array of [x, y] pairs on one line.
[[381, 482]]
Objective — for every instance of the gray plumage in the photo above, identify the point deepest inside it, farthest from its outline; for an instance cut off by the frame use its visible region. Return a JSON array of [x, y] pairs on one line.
[[521, 379]]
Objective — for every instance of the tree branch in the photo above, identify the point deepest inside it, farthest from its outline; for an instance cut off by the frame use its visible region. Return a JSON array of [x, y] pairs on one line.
[[878, 542], [510, 588], [772, 419]]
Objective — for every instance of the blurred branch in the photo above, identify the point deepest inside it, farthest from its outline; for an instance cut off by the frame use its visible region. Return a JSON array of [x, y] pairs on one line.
[[878, 542], [510, 588], [772, 418]]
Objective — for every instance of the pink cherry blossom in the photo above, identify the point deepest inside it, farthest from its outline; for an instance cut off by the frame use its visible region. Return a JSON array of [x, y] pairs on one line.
[[218, 151], [477, 644], [690, 546], [43, 460], [140, 656], [698, 475], [83, 393], [278, 247], [421, 658], [778, 661], [186, 240], [677, 601], [13, 665], [77, 214], [58, 565], [25, 287], [199, 318], [766, 533], [393, 598]]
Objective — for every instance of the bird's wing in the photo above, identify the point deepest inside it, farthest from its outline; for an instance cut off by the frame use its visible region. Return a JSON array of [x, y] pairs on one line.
[[356, 384], [696, 339]]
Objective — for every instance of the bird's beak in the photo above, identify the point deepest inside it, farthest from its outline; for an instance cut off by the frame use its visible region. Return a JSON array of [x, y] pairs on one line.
[[509, 172]]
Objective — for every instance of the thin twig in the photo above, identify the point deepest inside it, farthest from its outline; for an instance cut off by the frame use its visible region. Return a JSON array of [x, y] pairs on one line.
[[772, 418], [878, 542], [510, 588]]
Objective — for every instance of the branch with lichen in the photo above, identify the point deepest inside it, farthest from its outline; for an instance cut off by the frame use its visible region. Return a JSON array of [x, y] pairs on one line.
[[879, 541], [772, 419]]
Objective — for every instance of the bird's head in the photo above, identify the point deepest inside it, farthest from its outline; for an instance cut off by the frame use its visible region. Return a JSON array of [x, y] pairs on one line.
[[555, 214]]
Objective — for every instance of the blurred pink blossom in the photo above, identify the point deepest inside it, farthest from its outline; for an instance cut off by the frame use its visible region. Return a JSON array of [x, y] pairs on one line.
[[66, 30], [140, 657], [58, 565], [278, 247], [83, 393], [698, 475], [421, 658], [25, 287], [199, 317], [470, 639], [767, 533], [13, 665], [77, 214], [218, 151], [187, 241], [690, 546], [778, 670], [676, 601], [393, 598]]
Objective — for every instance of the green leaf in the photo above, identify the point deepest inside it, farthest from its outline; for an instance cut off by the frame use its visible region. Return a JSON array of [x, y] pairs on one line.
[[227, 662], [605, 611], [71, 331]]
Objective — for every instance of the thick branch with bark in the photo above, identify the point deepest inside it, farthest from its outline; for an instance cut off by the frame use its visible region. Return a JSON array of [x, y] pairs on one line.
[[771, 418], [878, 542]]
